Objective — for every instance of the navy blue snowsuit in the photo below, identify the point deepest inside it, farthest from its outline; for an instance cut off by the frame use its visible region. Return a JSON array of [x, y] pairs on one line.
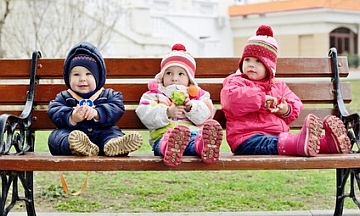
[[109, 105]]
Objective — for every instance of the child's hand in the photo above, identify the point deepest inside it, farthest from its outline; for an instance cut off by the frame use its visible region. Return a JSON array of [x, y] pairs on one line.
[[77, 115], [187, 103], [282, 108], [270, 102], [175, 111], [90, 113]]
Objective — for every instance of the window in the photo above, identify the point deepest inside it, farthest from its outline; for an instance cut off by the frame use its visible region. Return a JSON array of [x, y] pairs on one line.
[[344, 40]]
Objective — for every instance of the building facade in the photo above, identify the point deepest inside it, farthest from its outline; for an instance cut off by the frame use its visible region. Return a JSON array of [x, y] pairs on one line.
[[301, 27], [151, 27], [148, 28]]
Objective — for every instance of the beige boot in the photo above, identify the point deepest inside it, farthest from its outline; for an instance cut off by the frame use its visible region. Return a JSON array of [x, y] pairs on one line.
[[123, 145], [80, 144]]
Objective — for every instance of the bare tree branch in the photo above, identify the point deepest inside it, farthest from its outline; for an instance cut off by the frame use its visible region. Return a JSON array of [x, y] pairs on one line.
[[3, 17], [55, 26]]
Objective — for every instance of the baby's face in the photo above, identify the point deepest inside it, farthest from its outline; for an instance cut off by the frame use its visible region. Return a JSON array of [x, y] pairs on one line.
[[82, 80], [175, 75], [254, 69]]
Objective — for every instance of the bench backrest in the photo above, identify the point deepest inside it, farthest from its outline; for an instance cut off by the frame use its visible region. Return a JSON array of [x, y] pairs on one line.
[[308, 77]]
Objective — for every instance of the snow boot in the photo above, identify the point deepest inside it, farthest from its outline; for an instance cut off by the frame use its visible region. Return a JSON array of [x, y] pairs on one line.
[[335, 139], [304, 143], [122, 146], [208, 141], [173, 145]]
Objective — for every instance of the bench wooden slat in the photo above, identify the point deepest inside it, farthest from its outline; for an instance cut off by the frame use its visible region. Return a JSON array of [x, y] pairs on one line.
[[147, 162], [131, 121], [13, 94], [132, 93], [309, 67], [207, 67]]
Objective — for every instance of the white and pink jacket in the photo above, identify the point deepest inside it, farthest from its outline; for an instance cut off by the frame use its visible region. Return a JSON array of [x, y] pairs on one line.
[[154, 103]]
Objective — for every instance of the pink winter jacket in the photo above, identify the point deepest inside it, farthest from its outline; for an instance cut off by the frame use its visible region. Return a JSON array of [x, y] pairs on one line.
[[243, 103]]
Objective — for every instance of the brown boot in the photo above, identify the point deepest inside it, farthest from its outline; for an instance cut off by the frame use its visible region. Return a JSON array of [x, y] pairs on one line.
[[306, 142], [80, 144], [123, 145]]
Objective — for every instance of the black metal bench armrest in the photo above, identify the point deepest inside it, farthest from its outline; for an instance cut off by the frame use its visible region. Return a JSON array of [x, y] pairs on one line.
[[351, 121], [352, 124], [336, 81], [16, 130]]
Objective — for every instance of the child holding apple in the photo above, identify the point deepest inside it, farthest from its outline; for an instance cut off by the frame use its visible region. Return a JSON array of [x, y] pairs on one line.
[[178, 113]]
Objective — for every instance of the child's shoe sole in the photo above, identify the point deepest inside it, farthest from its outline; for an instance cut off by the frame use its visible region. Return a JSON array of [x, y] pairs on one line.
[[313, 129], [212, 137], [178, 140], [123, 145], [336, 128], [80, 144]]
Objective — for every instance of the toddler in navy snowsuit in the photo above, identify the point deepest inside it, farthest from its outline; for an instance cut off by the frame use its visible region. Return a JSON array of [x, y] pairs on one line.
[[86, 114]]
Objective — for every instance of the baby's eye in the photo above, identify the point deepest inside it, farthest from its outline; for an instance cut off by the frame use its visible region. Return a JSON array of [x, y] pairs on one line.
[[88, 74], [75, 74], [181, 74], [258, 60], [168, 73], [246, 59]]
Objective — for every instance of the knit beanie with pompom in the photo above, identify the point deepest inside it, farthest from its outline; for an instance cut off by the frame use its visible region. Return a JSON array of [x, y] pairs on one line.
[[178, 57], [264, 47]]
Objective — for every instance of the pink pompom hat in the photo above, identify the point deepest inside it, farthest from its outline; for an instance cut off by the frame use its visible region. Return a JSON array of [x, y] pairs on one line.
[[178, 57], [264, 47]]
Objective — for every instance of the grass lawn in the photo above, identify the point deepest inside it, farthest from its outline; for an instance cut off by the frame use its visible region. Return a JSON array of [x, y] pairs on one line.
[[187, 191]]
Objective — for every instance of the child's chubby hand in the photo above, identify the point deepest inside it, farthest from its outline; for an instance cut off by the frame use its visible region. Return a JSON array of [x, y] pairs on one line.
[[270, 102], [274, 107], [89, 112], [77, 115], [187, 103], [174, 111], [281, 108], [81, 113]]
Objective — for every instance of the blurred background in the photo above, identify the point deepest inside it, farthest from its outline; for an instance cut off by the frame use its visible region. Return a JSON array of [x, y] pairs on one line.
[[148, 28]]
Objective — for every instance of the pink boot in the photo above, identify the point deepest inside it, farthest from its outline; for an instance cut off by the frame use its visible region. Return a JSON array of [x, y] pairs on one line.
[[173, 145], [335, 139], [306, 142], [207, 143]]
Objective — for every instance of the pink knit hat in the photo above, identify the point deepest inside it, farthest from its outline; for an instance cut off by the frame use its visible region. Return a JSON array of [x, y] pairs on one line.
[[264, 47], [178, 57]]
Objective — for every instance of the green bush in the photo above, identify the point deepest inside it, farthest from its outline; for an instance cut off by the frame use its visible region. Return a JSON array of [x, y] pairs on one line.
[[354, 61]]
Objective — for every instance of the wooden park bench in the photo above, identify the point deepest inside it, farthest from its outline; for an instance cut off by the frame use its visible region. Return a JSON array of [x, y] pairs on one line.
[[18, 160]]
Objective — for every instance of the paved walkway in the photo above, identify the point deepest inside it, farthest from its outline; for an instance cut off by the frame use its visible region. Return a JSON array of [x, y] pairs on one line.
[[260, 213]]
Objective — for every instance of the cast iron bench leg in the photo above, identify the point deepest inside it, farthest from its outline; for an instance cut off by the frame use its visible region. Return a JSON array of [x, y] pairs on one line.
[[10, 179], [341, 178]]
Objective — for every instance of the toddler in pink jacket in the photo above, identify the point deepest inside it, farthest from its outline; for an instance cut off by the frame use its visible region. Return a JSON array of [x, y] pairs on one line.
[[259, 108]]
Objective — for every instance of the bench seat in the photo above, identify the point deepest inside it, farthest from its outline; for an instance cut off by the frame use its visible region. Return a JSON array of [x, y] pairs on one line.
[[43, 161]]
